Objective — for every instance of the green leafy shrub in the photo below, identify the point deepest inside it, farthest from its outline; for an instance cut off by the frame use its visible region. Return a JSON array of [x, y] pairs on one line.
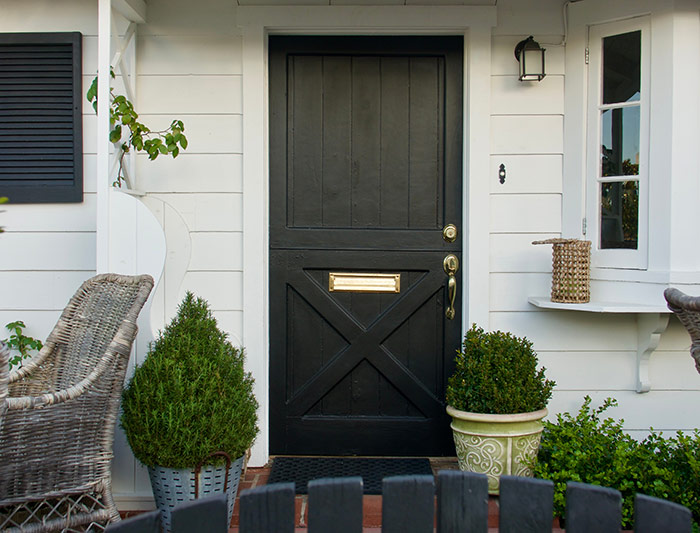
[[590, 450], [191, 396], [497, 373]]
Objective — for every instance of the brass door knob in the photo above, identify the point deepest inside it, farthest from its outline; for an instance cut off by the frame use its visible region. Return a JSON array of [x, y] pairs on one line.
[[449, 233]]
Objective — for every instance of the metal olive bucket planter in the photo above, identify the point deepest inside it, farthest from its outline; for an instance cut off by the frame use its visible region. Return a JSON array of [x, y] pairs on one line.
[[172, 486]]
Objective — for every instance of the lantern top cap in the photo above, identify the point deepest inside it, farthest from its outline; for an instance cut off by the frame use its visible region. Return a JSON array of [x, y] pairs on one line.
[[528, 43]]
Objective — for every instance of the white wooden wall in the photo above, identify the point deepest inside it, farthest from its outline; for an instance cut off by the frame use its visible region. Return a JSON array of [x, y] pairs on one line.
[[49, 249], [586, 353], [189, 67]]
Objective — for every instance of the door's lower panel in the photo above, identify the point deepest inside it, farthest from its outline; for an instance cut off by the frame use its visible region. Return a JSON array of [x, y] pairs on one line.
[[359, 373]]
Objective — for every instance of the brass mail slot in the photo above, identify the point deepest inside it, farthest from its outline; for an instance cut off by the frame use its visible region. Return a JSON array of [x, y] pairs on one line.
[[363, 282]]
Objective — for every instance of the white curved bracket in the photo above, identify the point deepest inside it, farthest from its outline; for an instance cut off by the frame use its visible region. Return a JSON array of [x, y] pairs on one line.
[[650, 326]]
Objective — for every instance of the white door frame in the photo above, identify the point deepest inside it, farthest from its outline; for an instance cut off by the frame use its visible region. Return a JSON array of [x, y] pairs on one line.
[[256, 23]]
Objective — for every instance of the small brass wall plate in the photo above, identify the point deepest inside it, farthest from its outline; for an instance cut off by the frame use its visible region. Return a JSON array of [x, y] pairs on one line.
[[363, 282]]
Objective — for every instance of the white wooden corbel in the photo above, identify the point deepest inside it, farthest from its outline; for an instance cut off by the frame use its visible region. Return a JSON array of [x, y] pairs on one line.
[[650, 326]]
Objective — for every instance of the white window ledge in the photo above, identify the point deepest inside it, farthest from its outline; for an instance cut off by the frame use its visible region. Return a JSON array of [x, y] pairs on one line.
[[598, 307], [652, 321]]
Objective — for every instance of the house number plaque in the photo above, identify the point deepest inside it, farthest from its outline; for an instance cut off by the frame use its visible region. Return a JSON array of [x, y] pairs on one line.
[[363, 282]]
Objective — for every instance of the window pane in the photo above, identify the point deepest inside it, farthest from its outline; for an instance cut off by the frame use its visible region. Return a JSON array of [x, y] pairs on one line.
[[621, 61], [620, 142], [619, 214]]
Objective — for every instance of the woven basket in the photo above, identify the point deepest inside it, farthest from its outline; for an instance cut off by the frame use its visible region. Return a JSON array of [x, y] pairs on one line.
[[571, 270]]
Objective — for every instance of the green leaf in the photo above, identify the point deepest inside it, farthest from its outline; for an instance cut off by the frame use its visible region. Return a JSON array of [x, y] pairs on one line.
[[116, 134]]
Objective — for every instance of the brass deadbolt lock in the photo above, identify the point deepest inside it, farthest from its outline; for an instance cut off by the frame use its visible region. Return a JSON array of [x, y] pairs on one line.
[[449, 233]]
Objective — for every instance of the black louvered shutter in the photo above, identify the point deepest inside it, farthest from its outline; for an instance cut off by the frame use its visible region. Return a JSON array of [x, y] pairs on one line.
[[41, 141]]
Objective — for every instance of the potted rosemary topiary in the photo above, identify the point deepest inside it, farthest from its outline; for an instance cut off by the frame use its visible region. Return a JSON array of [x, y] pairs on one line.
[[497, 399], [188, 412]]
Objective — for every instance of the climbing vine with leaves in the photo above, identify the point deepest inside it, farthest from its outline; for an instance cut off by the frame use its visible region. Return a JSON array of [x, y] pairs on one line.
[[123, 119], [20, 343], [3, 200]]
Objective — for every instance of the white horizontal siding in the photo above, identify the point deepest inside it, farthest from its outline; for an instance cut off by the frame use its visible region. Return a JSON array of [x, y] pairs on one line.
[[48, 251], [514, 252], [188, 54], [49, 217], [561, 331], [616, 370], [516, 17], [663, 410], [221, 251], [509, 292], [531, 134], [526, 213], [513, 97], [232, 323], [41, 291], [182, 18], [208, 211], [47, 15], [186, 95], [527, 174], [221, 289], [189, 173]]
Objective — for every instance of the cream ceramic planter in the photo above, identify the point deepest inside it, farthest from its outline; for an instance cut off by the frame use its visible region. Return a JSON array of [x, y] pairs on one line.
[[496, 445]]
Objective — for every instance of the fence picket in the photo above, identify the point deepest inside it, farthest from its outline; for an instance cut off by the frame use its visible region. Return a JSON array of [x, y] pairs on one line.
[[267, 508], [408, 504], [206, 514], [592, 509], [143, 523], [654, 514], [335, 504], [525, 505], [463, 502]]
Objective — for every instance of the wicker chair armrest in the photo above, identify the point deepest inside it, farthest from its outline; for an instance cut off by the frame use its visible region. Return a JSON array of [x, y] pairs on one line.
[[83, 386], [28, 366], [678, 300]]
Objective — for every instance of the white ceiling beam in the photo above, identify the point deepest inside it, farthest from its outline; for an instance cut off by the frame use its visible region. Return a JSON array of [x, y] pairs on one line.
[[133, 10]]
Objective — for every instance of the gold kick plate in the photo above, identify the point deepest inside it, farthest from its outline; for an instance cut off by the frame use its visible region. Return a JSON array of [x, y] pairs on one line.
[[363, 282]]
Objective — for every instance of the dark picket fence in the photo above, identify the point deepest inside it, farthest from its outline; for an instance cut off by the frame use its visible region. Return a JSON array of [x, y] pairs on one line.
[[408, 506]]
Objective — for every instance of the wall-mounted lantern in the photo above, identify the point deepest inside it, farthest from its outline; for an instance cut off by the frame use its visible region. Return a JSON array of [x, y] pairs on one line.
[[530, 56]]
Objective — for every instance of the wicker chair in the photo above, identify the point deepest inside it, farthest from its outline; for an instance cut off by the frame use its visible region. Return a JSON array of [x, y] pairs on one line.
[[58, 411], [687, 309]]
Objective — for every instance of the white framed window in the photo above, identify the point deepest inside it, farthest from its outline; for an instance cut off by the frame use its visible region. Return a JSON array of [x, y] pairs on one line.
[[617, 143]]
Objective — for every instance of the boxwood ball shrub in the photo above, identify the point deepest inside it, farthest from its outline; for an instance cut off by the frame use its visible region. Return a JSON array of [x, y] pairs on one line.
[[191, 396], [496, 373]]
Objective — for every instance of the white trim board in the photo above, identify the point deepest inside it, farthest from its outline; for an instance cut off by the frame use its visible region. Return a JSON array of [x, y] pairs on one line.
[[256, 23]]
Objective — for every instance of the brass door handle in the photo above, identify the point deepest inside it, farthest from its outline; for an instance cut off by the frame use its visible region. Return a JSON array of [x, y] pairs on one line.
[[451, 265]]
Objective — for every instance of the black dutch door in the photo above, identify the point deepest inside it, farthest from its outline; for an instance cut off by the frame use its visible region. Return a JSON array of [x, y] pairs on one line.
[[365, 173]]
